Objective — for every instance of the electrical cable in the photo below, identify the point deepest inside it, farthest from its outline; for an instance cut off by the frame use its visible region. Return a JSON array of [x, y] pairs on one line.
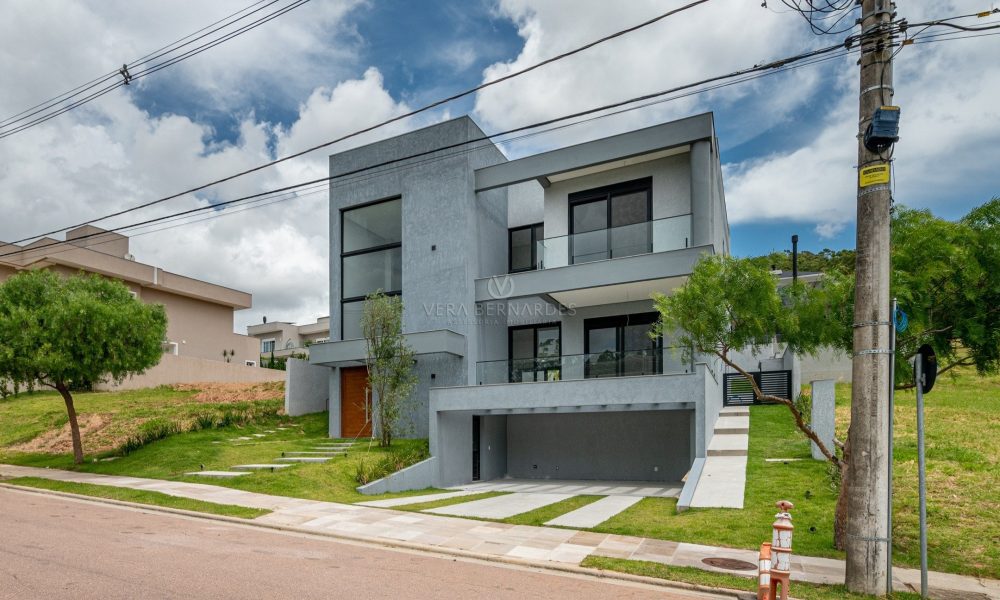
[[420, 110], [771, 67]]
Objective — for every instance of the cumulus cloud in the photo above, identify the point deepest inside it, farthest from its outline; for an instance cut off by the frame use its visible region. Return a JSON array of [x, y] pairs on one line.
[[115, 153]]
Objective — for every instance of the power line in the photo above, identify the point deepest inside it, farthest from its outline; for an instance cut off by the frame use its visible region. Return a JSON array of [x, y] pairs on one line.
[[14, 126], [400, 117], [773, 66]]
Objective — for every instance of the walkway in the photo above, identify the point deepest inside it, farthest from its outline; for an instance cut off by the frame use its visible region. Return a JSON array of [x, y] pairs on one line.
[[443, 533], [723, 478]]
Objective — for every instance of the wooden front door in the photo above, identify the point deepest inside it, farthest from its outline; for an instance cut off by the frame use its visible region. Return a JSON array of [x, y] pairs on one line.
[[355, 404]]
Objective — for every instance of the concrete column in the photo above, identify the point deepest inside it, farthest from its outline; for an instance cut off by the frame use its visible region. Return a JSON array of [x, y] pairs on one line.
[[701, 193], [823, 414]]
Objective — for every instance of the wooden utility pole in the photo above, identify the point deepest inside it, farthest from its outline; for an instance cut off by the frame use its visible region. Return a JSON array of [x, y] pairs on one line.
[[867, 510]]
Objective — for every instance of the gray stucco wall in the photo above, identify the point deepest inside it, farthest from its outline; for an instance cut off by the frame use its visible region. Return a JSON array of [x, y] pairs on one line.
[[306, 388], [616, 446], [823, 417]]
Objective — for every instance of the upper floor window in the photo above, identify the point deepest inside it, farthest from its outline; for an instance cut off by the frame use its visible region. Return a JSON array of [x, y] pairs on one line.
[[266, 346], [524, 252], [371, 258], [611, 222]]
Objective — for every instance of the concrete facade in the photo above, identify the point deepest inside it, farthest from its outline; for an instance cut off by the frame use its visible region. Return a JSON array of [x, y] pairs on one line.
[[457, 206], [823, 417], [306, 389], [289, 339]]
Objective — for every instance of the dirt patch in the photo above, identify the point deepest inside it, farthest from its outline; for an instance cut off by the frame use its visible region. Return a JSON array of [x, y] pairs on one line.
[[60, 441], [225, 393]]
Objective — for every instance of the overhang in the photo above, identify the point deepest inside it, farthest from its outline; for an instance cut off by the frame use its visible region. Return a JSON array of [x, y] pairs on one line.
[[589, 154], [353, 352], [613, 280]]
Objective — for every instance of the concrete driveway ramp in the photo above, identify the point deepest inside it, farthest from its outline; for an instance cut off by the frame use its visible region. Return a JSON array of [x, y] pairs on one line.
[[595, 513], [500, 507]]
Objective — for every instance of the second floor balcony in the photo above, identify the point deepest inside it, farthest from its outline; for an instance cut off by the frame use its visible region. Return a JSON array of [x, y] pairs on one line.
[[658, 235], [658, 361]]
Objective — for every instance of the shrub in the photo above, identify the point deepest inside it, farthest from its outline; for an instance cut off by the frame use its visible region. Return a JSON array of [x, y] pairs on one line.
[[370, 469]]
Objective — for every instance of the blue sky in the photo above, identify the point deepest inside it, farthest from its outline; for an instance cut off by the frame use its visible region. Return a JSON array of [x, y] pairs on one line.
[[332, 66]]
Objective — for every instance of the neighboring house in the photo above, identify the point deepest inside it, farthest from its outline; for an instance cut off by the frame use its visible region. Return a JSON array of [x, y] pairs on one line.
[[287, 339], [526, 287], [199, 314]]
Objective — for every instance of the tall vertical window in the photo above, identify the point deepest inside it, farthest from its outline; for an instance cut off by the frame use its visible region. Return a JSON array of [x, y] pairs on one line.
[[524, 252], [535, 352], [371, 258], [611, 222], [621, 345]]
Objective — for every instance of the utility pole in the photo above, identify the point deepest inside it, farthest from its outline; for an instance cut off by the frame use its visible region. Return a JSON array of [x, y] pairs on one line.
[[867, 510]]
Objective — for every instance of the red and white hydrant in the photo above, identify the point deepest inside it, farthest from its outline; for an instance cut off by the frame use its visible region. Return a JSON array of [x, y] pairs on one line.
[[781, 550]]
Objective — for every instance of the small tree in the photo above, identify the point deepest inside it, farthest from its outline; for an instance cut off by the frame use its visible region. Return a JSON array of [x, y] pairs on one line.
[[390, 363], [64, 332]]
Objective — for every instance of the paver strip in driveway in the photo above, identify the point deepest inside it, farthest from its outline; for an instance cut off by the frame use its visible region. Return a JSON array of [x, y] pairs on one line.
[[391, 502], [595, 513], [500, 507]]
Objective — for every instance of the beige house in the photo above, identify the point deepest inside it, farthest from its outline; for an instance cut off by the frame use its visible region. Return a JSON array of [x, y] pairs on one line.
[[287, 339], [199, 314]]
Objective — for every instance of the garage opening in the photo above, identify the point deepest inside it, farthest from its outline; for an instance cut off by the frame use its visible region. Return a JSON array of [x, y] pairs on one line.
[[610, 446]]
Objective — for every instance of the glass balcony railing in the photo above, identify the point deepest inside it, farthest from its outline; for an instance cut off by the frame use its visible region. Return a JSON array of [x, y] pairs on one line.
[[660, 361], [659, 235]]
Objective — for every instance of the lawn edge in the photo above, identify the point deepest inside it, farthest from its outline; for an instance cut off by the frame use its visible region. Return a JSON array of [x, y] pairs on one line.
[[397, 544]]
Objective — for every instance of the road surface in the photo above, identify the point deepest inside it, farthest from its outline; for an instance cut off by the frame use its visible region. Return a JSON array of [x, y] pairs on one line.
[[52, 547]]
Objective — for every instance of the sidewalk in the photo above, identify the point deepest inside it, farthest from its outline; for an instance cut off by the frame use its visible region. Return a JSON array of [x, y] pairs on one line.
[[565, 546]]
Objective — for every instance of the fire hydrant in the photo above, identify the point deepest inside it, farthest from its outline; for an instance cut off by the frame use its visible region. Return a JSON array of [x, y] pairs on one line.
[[781, 550]]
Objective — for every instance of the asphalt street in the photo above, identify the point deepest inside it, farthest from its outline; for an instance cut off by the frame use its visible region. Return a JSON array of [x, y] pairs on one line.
[[52, 547]]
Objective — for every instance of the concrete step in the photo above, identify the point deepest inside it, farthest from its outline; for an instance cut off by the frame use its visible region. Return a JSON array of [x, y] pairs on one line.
[[260, 467], [328, 449], [304, 459], [731, 430], [329, 453], [735, 411], [729, 444], [734, 452], [219, 474]]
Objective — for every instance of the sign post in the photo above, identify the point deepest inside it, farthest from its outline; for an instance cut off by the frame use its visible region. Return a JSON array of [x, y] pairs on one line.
[[924, 372]]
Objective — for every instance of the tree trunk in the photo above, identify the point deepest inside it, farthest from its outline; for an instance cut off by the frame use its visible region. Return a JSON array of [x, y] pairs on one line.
[[840, 512], [74, 426]]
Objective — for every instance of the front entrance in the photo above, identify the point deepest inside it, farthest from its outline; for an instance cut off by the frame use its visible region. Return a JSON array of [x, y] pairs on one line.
[[355, 403]]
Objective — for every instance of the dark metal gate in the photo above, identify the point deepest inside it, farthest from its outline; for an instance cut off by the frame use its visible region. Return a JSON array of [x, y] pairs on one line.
[[737, 391]]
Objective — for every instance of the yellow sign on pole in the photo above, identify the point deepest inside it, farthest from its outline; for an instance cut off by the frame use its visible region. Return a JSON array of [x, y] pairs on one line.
[[873, 174]]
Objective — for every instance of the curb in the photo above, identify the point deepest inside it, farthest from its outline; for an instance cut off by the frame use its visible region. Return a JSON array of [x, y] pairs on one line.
[[397, 544]]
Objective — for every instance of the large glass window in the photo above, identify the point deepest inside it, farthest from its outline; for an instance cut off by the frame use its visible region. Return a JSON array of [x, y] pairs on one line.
[[619, 346], [524, 251], [611, 222], [371, 259], [535, 353]]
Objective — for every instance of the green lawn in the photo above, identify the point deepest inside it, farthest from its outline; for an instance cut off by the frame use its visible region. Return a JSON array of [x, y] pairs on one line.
[[139, 496], [170, 458], [798, 589], [963, 458]]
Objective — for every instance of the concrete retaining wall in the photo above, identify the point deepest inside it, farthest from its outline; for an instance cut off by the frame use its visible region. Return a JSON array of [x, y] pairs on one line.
[[413, 477], [188, 369], [306, 389]]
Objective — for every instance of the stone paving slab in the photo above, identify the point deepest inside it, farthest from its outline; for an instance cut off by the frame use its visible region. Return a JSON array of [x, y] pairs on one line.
[[219, 474], [314, 453], [595, 513], [389, 503], [260, 467], [565, 546], [578, 488], [729, 444], [722, 483], [500, 507], [304, 459]]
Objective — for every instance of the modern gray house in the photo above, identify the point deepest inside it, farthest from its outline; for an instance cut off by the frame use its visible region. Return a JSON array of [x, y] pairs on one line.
[[527, 288]]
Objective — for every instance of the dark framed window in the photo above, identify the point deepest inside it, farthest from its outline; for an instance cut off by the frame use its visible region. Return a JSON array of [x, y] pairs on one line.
[[535, 352], [620, 346], [371, 258], [523, 252], [611, 222]]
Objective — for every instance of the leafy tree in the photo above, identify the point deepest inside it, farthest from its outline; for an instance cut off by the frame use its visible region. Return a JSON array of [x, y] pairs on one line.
[[389, 361], [824, 261], [65, 332]]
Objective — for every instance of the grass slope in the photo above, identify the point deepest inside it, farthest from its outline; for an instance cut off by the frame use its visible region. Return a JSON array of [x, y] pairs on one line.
[[139, 496]]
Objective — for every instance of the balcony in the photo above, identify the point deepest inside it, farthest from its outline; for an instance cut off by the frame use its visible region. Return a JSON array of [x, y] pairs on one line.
[[658, 235], [661, 361]]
